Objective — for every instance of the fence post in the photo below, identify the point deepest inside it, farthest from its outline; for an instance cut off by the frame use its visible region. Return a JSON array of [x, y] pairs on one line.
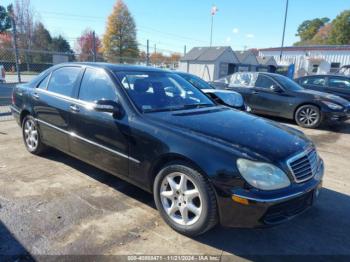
[[147, 54], [94, 45], [14, 35]]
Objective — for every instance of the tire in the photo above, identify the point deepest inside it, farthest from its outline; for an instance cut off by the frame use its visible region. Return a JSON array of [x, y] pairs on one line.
[[31, 136], [308, 116], [173, 198]]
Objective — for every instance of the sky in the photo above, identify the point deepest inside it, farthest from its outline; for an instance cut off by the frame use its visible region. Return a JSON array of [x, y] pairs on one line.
[[170, 25]]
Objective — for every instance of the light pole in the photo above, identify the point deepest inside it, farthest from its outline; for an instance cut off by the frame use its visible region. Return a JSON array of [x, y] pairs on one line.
[[214, 9], [284, 29]]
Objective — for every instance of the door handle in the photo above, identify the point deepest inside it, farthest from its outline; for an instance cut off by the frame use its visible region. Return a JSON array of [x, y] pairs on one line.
[[255, 92], [74, 108], [36, 96]]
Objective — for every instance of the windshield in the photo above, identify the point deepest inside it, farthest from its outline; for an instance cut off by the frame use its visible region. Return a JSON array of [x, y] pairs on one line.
[[162, 91], [196, 81], [287, 83]]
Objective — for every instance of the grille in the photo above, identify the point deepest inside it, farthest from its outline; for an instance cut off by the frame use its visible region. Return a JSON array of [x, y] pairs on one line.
[[304, 166]]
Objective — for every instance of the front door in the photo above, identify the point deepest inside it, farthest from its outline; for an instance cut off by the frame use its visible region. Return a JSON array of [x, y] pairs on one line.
[[98, 137], [264, 100]]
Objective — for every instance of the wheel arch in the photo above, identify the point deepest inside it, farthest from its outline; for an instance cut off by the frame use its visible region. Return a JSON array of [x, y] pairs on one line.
[[168, 158], [304, 104], [23, 114]]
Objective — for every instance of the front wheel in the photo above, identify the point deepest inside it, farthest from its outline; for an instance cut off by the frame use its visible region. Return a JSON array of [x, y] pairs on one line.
[[308, 116], [31, 136], [185, 200]]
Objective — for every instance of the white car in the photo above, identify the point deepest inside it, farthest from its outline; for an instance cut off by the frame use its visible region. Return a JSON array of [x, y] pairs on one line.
[[2, 74]]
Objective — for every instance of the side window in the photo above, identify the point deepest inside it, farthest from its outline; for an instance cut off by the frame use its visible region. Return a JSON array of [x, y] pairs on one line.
[[63, 80], [339, 82], [44, 82], [316, 81], [264, 82], [96, 85]]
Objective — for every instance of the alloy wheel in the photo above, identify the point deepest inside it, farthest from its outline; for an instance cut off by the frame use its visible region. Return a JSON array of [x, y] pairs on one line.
[[181, 198], [31, 135], [308, 116]]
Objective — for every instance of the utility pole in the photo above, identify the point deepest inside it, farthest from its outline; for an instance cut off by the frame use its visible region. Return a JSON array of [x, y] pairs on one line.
[[14, 35], [147, 54], [284, 29], [214, 9], [185, 50], [94, 45]]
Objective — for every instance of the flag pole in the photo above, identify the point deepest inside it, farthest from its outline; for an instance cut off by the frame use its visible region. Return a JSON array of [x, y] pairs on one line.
[[211, 30], [284, 30]]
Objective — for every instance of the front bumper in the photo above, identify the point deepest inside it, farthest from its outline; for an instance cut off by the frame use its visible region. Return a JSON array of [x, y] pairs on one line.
[[264, 209], [337, 115]]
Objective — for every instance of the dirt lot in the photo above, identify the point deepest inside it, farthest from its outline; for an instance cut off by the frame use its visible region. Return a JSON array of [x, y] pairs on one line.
[[56, 205]]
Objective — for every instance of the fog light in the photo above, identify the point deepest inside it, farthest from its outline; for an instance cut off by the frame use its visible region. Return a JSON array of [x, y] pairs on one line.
[[240, 200]]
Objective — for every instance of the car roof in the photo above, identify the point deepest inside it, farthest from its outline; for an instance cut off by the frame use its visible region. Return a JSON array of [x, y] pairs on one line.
[[115, 67], [326, 75]]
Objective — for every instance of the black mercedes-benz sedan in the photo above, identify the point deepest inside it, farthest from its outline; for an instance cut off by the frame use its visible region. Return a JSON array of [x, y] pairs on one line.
[[204, 163], [277, 95]]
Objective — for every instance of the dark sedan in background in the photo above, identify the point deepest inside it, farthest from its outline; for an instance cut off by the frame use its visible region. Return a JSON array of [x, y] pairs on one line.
[[223, 97], [277, 95], [333, 84], [204, 163]]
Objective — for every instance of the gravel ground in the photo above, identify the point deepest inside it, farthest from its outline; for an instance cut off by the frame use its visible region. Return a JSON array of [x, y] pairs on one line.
[[57, 205]]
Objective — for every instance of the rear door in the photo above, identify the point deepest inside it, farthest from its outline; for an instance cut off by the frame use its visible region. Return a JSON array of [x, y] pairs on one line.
[[339, 86], [98, 137], [51, 99], [317, 83]]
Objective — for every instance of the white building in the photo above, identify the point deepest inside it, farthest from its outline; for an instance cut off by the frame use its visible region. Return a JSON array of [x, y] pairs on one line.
[[209, 63], [318, 59]]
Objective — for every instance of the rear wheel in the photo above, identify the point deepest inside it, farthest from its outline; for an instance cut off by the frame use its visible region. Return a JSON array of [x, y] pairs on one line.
[[185, 199], [308, 116], [31, 136]]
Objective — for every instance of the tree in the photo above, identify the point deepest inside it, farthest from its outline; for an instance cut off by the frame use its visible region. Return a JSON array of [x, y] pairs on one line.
[[85, 46], [119, 41], [41, 41], [322, 36], [60, 44], [309, 28], [157, 58], [340, 33], [5, 20]]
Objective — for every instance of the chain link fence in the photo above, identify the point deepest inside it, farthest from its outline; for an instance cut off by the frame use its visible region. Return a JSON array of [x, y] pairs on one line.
[[33, 62]]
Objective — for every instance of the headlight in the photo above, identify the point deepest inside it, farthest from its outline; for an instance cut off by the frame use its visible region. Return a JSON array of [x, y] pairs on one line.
[[262, 175], [332, 105]]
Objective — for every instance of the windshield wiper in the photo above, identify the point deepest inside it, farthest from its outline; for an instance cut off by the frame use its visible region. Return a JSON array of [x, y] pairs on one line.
[[190, 106]]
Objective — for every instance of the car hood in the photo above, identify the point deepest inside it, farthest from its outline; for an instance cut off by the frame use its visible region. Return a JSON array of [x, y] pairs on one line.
[[325, 96], [240, 131]]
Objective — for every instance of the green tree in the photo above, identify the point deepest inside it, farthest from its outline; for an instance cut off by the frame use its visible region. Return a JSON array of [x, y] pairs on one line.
[[60, 44], [309, 28], [340, 33], [41, 42], [119, 41], [5, 21]]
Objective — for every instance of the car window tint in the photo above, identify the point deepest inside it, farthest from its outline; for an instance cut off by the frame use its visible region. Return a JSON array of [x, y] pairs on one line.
[[96, 85], [44, 82], [63, 80], [264, 82], [317, 81], [339, 82]]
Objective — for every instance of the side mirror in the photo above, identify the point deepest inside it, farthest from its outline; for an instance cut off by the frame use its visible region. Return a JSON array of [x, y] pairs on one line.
[[108, 106], [275, 88]]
